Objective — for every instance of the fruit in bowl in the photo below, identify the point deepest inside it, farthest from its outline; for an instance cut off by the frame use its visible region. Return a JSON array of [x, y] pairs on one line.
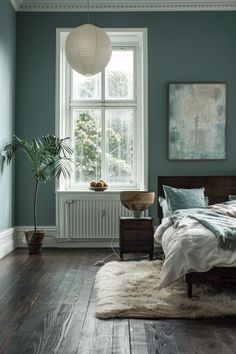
[[98, 186], [93, 184], [104, 183]]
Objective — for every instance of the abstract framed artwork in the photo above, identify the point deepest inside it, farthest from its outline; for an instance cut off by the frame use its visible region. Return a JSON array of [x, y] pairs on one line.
[[197, 121]]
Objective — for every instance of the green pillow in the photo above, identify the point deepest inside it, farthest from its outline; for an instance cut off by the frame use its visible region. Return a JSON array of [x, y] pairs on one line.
[[179, 198]]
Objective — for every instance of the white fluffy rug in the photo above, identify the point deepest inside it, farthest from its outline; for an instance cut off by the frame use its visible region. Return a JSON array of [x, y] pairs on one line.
[[130, 289]]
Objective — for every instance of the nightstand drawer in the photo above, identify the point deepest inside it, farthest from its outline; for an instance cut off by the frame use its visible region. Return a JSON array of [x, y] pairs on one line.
[[140, 234], [133, 224]]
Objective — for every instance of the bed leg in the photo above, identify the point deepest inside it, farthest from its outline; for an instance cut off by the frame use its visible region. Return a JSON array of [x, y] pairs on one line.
[[189, 285], [190, 290]]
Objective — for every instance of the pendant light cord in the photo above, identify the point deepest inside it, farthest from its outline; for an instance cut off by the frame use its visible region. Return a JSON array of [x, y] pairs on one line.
[[88, 17]]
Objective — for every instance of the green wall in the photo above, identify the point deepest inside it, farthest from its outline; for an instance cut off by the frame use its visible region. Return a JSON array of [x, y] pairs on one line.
[[182, 46], [7, 98]]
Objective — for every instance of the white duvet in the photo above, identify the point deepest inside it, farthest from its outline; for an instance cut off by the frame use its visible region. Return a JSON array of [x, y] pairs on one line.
[[189, 247]]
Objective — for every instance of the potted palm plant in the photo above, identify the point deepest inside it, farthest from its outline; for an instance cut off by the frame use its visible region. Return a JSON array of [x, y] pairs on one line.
[[50, 158]]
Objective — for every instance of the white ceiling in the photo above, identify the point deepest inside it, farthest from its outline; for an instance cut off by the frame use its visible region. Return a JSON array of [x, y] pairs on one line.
[[124, 5]]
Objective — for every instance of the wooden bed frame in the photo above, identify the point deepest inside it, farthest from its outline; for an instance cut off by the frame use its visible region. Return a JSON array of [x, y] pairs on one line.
[[217, 189]]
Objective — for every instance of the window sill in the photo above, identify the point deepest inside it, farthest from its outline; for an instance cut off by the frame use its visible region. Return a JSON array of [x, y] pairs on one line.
[[83, 191]]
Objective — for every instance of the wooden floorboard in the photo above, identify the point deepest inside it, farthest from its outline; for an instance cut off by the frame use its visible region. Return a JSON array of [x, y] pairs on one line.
[[47, 305], [121, 337], [138, 337]]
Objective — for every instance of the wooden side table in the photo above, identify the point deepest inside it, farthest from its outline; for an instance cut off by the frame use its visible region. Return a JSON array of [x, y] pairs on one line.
[[136, 235]]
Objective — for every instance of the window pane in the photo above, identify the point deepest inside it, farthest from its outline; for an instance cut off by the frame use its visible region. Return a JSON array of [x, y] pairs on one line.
[[87, 144], [119, 78], [120, 146], [86, 88]]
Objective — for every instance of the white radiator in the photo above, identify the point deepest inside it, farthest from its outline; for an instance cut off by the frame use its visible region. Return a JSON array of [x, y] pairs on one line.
[[89, 216]]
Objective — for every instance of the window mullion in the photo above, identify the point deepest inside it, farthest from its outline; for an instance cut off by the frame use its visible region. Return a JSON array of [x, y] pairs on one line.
[[103, 157], [103, 167], [103, 86], [115, 104]]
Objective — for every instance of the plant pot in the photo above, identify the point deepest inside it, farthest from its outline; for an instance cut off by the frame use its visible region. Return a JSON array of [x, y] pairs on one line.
[[34, 241]]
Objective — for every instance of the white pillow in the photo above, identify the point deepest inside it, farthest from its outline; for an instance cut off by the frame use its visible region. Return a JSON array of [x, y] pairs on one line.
[[165, 210]]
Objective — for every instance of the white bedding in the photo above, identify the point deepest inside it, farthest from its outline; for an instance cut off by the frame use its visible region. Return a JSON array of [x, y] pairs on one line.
[[189, 247]]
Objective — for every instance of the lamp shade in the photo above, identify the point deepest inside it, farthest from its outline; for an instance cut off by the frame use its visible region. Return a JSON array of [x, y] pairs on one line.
[[88, 49]]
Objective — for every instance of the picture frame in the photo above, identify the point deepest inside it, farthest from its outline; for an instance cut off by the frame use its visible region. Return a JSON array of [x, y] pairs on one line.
[[197, 121]]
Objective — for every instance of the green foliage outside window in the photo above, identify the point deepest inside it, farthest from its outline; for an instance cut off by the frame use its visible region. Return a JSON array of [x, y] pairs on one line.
[[117, 84], [87, 148], [87, 144]]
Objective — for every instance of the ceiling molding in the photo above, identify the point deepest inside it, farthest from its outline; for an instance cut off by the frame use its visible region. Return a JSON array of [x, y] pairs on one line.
[[16, 4], [124, 5]]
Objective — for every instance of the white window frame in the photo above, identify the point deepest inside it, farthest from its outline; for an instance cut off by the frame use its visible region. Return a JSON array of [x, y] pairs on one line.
[[133, 37]]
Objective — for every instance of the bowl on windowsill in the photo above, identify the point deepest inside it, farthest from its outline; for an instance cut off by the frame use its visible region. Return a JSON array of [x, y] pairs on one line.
[[98, 189], [98, 186]]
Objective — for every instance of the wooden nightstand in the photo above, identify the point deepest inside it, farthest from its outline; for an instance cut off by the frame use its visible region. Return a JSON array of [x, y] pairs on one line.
[[136, 235]]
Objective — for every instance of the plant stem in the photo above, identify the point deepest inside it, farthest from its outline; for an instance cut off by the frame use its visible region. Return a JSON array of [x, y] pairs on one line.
[[35, 203]]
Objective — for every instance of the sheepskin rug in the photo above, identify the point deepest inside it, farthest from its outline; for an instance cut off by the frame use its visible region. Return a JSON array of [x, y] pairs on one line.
[[130, 289]]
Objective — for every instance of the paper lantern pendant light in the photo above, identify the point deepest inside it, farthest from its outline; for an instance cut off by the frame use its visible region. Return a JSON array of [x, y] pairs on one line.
[[88, 49]]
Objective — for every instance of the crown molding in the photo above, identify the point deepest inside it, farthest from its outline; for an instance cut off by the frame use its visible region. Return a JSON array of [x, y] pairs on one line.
[[16, 4], [123, 5]]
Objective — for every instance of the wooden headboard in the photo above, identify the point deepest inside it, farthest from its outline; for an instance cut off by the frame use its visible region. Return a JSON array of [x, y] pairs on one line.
[[217, 188]]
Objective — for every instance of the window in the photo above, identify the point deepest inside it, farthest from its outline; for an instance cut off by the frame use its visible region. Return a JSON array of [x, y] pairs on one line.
[[105, 115]]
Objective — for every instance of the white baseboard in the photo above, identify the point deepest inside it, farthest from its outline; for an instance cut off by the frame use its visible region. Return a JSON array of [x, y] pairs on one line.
[[7, 242], [15, 238], [51, 240]]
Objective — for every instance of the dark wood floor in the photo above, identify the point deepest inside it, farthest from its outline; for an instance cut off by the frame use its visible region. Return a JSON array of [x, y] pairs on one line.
[[47, 305]]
